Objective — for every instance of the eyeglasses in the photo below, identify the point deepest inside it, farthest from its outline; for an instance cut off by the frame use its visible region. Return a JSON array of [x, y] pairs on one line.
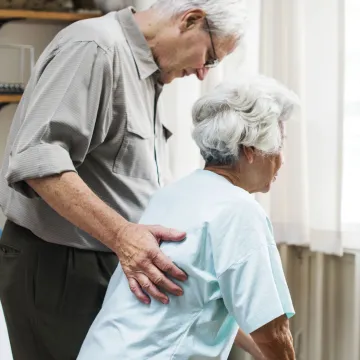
[[211, 63]]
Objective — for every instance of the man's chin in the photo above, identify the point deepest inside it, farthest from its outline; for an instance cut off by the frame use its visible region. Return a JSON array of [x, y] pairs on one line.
[[169, 77], [166, 81]]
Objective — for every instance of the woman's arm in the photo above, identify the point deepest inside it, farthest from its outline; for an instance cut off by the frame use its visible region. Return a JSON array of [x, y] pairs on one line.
[[245, 342], [275, 340]]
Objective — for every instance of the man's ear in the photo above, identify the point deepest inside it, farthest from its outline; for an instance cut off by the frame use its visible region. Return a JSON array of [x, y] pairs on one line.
[[192, 18], [249, 153]]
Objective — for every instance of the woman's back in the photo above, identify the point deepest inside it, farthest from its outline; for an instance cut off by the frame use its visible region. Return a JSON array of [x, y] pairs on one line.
[[226, 229]]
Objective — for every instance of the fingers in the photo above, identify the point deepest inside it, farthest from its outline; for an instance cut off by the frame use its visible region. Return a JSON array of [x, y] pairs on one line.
[[136, 289], [146, 267], [161, 281], [148, 278], [149, 287], [166, 234], [168, 267]]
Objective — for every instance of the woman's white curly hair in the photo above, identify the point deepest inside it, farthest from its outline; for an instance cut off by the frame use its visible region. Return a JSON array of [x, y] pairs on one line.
[[244, 114]]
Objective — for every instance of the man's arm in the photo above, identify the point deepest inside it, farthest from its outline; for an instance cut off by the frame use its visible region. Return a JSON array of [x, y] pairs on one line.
[[275, 340], [135, 245], [67, 116]]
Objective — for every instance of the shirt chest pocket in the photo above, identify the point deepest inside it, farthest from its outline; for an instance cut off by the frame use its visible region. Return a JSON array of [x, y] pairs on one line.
[[136, 156]]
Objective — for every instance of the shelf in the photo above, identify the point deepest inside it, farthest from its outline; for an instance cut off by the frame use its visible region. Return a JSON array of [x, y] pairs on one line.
[[6, 99], [12, 14], [46, 15]]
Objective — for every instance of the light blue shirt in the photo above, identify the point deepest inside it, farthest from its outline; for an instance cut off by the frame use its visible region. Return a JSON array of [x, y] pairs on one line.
[[235, 279]]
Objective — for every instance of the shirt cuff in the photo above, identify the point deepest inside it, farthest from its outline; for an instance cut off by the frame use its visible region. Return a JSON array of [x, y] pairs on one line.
[[264, 318], [36, 162]]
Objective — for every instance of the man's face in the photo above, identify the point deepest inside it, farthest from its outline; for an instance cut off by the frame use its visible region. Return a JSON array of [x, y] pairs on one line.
[[187, 47]]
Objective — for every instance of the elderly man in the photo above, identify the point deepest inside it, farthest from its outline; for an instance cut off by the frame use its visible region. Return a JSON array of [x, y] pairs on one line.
[[84, 155]]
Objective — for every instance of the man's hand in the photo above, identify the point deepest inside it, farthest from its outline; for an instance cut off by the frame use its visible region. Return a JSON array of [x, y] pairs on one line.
[[144, 263]]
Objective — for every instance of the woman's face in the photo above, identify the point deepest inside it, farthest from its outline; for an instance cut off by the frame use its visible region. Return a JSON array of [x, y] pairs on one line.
[[262, 170], [254, 172], [266, 169]]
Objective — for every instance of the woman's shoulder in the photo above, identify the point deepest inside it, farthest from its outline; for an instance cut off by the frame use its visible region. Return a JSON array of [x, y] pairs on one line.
[[243, 213], [244, 204]]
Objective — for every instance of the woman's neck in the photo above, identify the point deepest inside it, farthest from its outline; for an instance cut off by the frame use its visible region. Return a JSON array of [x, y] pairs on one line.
[[235, 177]]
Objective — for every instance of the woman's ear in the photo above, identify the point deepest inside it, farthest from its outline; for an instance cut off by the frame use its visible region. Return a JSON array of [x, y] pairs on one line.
[[249, 153]]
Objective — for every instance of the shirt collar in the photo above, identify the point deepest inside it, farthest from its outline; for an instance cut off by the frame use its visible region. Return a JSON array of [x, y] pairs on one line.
[[140, 49]]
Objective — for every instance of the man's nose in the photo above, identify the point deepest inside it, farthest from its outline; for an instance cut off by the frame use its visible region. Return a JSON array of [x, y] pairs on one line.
[[206, 70], [201, 73]]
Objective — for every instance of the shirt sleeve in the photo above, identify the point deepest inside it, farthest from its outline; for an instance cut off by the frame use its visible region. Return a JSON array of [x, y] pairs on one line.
[[64, 116], [252, 280]]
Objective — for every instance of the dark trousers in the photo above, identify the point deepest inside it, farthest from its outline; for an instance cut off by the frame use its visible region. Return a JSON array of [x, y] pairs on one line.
[[50, 294]]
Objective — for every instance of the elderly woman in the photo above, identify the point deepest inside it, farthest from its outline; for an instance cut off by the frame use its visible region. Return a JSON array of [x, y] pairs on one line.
[[235, 274]]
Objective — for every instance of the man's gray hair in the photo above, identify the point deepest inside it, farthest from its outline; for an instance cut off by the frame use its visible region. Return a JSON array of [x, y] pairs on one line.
[[225, 17], [244, 114]]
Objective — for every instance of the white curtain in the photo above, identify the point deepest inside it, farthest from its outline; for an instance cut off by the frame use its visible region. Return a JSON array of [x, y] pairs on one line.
[[351, 164], [302, 46], [282, 57]]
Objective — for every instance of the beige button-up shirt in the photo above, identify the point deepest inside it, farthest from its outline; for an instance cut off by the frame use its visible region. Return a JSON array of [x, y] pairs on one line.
[[90, 107]]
